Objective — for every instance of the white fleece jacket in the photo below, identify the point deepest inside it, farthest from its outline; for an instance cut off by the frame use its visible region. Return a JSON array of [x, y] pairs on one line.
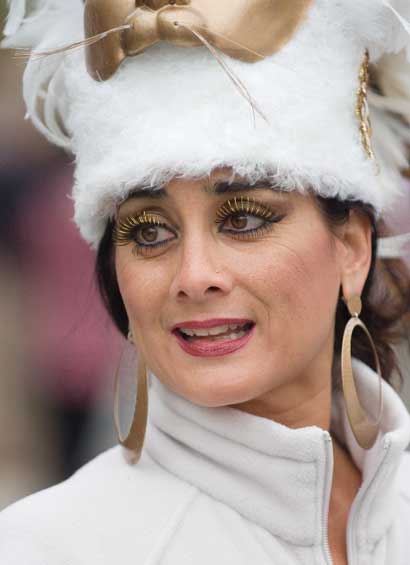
[[220, 486]]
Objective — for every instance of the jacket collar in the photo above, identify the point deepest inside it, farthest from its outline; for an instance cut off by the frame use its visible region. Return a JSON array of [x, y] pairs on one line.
[[275, 476]]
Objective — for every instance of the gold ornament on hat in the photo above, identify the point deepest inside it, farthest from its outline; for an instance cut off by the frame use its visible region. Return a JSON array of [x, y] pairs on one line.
[[362, 108], [248, 31]]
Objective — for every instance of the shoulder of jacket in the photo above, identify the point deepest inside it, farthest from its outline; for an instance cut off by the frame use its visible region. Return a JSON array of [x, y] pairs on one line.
[[404, 473], [104, 506], [403, 481]]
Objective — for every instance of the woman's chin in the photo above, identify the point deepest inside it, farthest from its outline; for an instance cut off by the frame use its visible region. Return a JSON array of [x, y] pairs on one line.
[[214, 386]]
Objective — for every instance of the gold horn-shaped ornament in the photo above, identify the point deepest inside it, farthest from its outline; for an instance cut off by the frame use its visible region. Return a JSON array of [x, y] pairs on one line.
[[248, 31]]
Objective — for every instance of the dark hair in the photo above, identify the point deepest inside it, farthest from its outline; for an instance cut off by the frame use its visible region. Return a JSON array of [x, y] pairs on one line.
[[385, 297]]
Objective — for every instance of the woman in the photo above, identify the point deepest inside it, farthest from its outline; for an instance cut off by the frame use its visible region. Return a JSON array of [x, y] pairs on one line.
[[237, 253]]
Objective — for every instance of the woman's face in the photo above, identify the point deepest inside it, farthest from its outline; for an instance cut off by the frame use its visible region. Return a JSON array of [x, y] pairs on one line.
[[231, 291]]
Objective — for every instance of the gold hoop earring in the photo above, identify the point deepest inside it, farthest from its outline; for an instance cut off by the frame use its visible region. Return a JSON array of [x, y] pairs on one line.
[[364, 430], [134, 441]]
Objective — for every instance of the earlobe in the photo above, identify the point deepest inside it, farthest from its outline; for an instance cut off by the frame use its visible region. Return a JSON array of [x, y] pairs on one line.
[[356, 262]]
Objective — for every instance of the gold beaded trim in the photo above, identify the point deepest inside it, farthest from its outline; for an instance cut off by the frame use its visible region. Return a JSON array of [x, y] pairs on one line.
[[362, 108]]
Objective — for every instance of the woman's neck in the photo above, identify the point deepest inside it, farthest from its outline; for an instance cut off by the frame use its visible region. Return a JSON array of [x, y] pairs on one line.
[[345, 485], [304, 402]]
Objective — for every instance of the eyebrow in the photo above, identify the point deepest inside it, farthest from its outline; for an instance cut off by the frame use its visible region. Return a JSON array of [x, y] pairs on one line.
[[219, 187], [223, 187]]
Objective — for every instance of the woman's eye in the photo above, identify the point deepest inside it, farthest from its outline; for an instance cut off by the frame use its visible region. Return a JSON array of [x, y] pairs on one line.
[[146, 232], [244, 218], [152, 235], [243, 222]]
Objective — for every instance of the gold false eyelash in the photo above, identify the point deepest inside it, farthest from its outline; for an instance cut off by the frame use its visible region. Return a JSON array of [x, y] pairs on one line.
[[243, 204], [124, 228]]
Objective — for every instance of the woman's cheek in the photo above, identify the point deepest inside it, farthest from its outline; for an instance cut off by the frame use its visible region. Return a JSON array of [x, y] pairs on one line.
[[125, 271], [310, 284], [300, 279], [142, 283], [132, 285]]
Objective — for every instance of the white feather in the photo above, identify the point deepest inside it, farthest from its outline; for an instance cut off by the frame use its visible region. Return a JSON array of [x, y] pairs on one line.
[[394, 246], [390, 115], [31, 21], [400, 38], [42, 25], [17, 12]]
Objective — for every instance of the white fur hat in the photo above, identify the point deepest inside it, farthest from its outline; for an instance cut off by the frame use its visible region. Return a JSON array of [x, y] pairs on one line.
[[174, 111]]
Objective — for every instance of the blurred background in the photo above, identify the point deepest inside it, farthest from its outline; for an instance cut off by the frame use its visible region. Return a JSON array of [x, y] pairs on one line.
[[58, 349]]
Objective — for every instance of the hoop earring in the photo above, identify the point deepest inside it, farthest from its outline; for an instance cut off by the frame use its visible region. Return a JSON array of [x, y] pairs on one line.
[[130, 337], [134, 441], [364, 430]]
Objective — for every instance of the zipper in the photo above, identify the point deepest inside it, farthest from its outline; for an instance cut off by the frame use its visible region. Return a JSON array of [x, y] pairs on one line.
[[326, 498], [354, 511]]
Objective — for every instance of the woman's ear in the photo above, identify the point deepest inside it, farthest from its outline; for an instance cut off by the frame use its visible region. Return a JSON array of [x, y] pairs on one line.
[[357, 256]]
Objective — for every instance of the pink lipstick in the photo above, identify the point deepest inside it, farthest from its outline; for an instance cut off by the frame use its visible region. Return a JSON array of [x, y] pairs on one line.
[[214, 337]]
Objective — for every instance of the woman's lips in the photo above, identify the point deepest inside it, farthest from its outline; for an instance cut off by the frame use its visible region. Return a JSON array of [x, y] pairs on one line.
[[212, 338], [211, 323]]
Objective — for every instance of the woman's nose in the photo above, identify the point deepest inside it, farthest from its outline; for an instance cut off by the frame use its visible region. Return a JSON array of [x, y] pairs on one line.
[[201, 272]]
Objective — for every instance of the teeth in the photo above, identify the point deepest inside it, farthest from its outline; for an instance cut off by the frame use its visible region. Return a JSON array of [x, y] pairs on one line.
[[217, 330], [225, 337], [202, 332]]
